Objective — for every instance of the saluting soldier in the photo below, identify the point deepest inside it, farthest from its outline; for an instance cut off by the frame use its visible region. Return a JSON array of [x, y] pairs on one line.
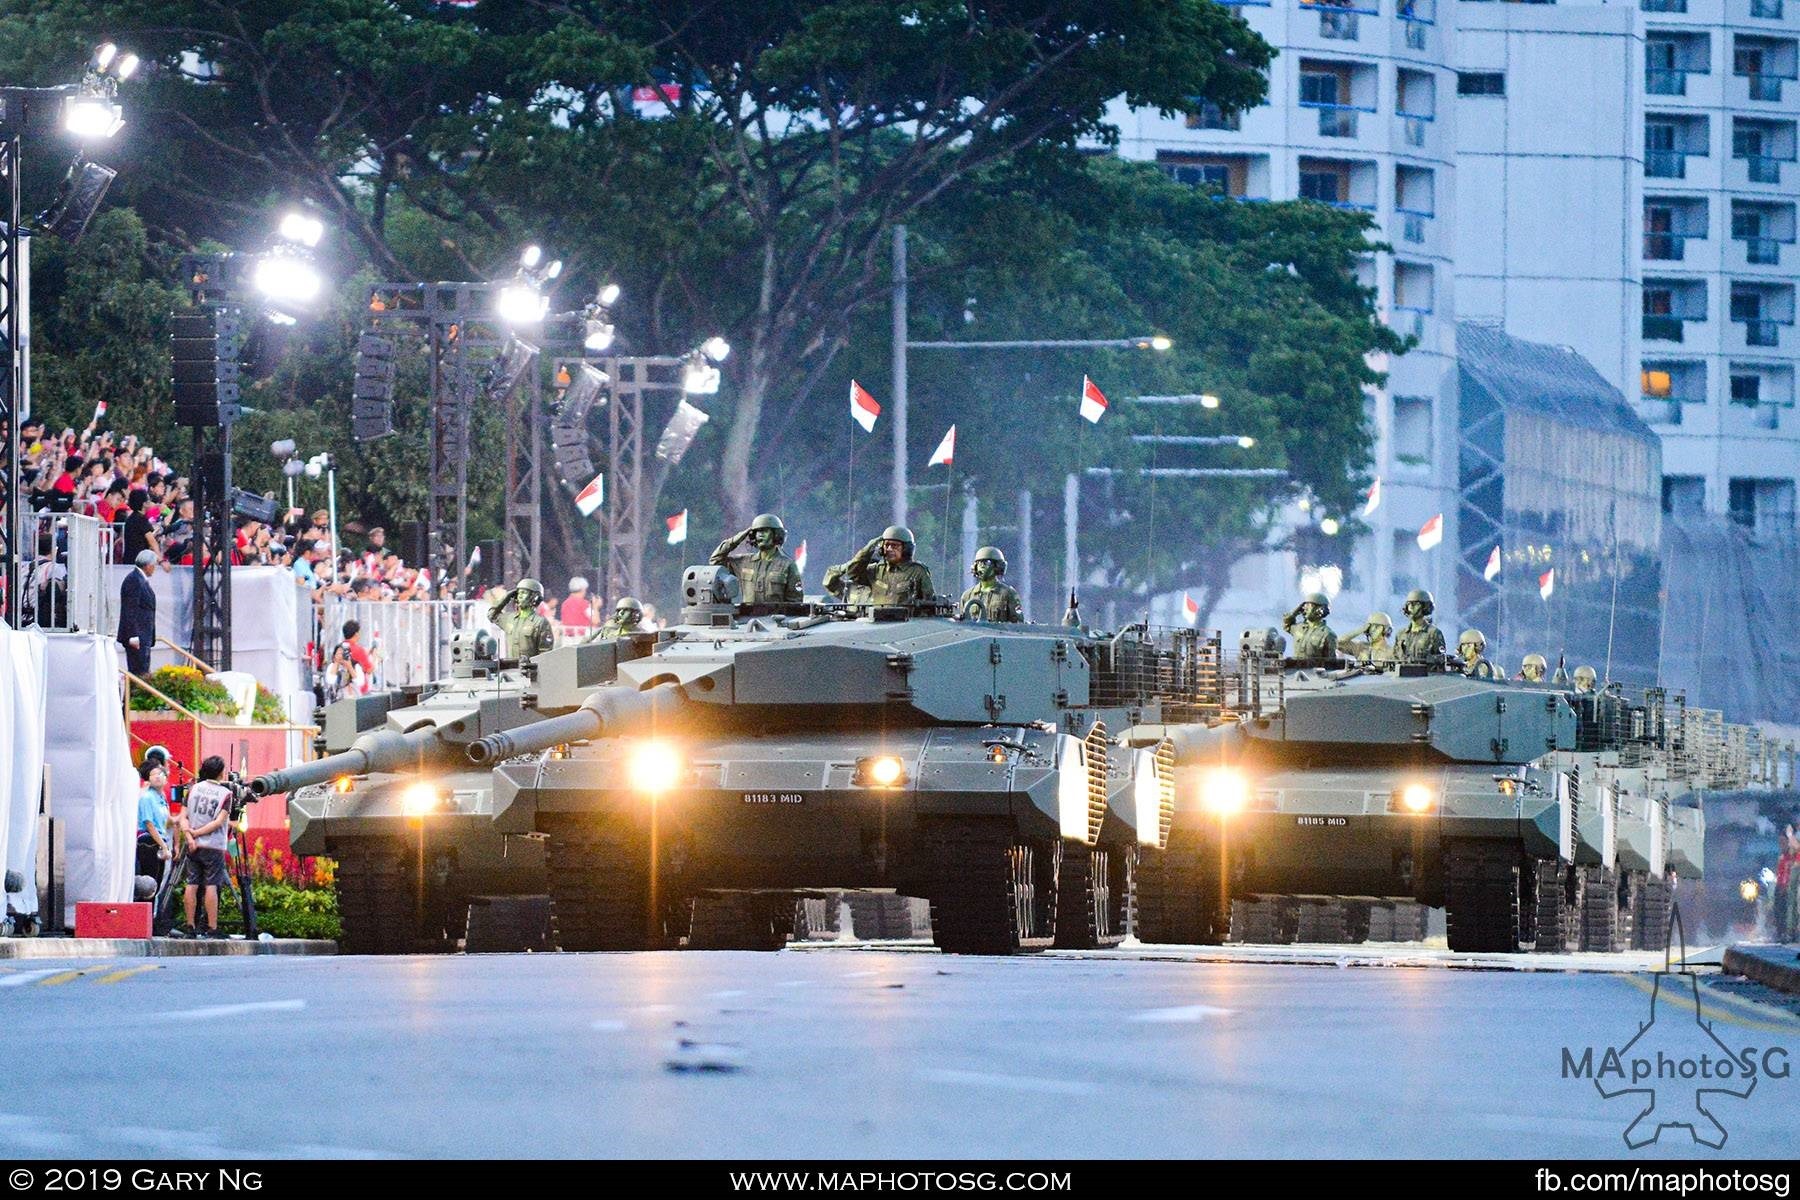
[[1421, 641], [767, 576], [528, 633], [990, 599], [886, 568], [1313, 638], [627, 618], [1373, 643]]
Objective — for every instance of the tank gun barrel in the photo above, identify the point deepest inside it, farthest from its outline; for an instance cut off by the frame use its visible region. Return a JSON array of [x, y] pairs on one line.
[[377, 750], [609, 711]]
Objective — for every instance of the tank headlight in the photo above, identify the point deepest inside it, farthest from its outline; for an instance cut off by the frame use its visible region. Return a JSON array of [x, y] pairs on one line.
[[341, 785], [1224, 791], [1417, 798], [1748, 890], [654, 768], [421, 799], [882, 771]]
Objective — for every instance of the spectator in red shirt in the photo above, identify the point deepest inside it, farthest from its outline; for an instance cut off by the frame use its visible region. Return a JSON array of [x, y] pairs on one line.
[[574, 613], [363, 666]]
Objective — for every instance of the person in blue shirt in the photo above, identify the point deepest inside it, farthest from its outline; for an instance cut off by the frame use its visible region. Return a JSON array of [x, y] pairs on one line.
[[153, 846]]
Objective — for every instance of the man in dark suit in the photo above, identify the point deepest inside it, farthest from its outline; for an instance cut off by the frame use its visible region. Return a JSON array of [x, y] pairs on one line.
[[137, 614]]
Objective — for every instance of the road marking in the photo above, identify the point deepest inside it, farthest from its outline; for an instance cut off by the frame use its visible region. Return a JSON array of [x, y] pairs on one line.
[[127, 973], [1682, 997], [1185, 1013], [232, 1010], [62, 977], [25, 977], [1008, 1083]]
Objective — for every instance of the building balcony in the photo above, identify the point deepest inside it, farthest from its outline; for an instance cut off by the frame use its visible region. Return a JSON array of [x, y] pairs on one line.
[[1766, 10], [1761, 168], [1665, 410], [1663, 328], [1665, 164], [1668, 81], [1761, 251], [1336, 120], [1663, 6], [1415, 128], [1408, 320], [1414, 224], [1668, 247], [1760, 333], [1764, 87]]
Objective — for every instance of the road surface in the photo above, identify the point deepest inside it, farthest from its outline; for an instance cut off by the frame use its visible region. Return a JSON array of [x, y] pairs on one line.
[[844, 1053]]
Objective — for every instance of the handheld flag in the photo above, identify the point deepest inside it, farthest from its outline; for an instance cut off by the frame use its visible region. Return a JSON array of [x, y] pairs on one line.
[[1373, 500], [1189, 609], [99, 410], [677, 527], [863, 409], [1547, 583], [946, 450], [1431, 532], [1492, 570], [1093, 401], [474, 558], [591, 497], [800, 557]]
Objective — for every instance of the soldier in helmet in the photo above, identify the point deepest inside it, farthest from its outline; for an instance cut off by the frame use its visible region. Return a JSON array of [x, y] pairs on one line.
[[990, 599], [627, 618], [1373, 643], [527, 632], [1533, 668], [1313, 638], [1586, 680], [886, 568], [768, 576], [1470, 648], [1421, 641]]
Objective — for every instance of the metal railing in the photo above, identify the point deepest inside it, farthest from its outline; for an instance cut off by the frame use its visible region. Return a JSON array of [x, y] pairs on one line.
[[1413, 126], [1662, 328], [1764, 87], [1182, 669], [1336, 120], [66, 583], [1762, 168], [1408, 320], [1663, 410], [1415, 33], [1766, 10], [1412, 223], [1760, 332], [1665, 81], [1665, 6], [409, 640], [1665, 164], [1666, 247], [1762, 251]]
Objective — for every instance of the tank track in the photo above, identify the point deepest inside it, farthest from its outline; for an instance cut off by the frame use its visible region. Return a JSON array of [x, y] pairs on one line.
[[881, 916], [1358, 918], [1092, 897], [1631, 885], [987, 891], [741, 921], [1561, 899], [1178, 896], [1324, 923], [1650, 924], [599, 881], [1599, 909], [378, 900], [1269, 921], [1481, 896]]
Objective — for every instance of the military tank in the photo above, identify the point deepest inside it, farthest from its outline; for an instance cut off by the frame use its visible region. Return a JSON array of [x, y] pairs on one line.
[[407, 818], [1535, 817], [760, 751]]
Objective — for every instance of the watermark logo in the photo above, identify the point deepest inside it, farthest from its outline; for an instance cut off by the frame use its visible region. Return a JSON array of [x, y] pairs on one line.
[[1677, 1067]]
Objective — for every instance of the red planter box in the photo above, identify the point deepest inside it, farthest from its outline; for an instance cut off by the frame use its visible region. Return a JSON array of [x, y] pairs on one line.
[[96, 920]]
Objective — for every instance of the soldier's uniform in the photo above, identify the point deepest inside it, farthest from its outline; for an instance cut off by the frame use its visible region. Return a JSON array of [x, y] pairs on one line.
[[1373, 643], [904, 582], [1421, 641], [766, 577], [627, 618], [1313, 638], [837, 585], [990, 599], [527, 633]]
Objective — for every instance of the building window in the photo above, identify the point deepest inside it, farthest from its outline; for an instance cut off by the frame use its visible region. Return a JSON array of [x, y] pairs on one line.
[[1412, 431], [1216, 175], [1657, 385], [1762, 505], [1481, 83], [1684, 495], [1211, 116], [1659, 301], [1323, 186], [1746, 389], [1319, 87]]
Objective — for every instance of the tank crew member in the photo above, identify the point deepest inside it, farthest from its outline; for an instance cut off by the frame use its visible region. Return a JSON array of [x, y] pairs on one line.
[[1373, 643], [886, 568], [990, 599], [836, 584], [1421, 641], [1533, 668], [1586, 680], [1313, 638], [767, 576], [627, 618], [527, 633], [1469, 648]]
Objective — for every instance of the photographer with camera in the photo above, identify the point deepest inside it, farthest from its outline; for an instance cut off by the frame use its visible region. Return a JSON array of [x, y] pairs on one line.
[[209, 807]]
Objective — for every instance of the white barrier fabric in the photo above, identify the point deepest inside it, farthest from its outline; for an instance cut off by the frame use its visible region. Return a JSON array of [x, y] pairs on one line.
[[21, 757], [265, 620], [93, 786]]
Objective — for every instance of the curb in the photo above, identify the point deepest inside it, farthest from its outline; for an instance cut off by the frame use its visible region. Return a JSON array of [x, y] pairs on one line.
[[1772, 966], [68, 947]]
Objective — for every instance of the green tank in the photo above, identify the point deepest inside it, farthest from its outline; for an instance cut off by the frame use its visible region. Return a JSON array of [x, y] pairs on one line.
[[407, 818], [755, 755], [1535, 817]]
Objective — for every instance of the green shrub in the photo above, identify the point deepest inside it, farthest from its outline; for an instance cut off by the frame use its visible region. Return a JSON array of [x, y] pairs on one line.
[[285, 911], [187, 687]]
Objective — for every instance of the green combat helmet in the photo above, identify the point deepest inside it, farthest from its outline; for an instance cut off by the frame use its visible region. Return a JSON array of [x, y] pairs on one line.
[[1471, 640], [901, 534], [1469, 648], [531, 588], [1533, 668], [1420, 597], [1313, 639], [770, 522], [1586, 678], [988, 554]]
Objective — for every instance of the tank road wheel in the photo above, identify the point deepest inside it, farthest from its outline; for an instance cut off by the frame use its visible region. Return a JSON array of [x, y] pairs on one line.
[[1650, 925], [1093, 896], [1599, 910], [599, 882], [380, 908], [1178, 895], [1559, 906], [993, 892], [1357, 918], [1481, 896], [741, 921]]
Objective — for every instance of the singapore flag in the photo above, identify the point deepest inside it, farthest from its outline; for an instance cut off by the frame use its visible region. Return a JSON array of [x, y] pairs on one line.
[[1093, 401], [677, 527], [1189, 609], [1492, 570], [945, 451], [1547, 583], [863, 409], [589, 498], [800, 557], [1431, 532]]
